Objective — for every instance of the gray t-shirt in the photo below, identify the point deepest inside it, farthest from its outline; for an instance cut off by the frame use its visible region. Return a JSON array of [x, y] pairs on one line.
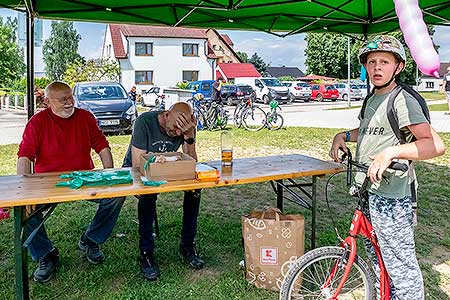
[[375, 135], [148, 136]]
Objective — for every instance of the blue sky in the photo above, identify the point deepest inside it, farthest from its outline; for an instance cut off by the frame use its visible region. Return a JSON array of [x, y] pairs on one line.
[[276, 51]]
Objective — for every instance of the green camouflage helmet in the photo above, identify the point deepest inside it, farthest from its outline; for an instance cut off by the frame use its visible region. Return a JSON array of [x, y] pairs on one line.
[[385, 43]]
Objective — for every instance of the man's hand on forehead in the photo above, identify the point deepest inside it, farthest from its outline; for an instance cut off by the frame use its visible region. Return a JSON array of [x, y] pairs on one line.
[[186, 123]]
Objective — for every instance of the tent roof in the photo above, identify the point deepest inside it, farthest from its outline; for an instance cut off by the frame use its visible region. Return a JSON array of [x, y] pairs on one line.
[[274, 16]]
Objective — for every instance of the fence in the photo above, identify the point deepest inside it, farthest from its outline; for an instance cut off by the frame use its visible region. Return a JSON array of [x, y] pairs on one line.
[[13, 102]]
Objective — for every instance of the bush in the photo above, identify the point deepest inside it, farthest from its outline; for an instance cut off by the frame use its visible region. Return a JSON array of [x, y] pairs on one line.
[[21, 84]]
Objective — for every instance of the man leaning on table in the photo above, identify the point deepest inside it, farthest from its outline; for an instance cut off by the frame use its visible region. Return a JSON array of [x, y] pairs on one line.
[[60, 139], [165, 131]]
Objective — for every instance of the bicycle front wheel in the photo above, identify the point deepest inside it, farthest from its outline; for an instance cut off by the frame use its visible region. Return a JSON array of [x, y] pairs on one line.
[[275, 121], [254, 118], [307, 277]]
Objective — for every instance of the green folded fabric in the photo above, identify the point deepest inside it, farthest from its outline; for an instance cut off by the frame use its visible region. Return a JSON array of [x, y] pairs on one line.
[[147, 182], [149, 161], [99, 178]]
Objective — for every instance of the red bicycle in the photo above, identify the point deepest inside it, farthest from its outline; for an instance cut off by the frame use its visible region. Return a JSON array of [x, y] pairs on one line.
[[338, 273]]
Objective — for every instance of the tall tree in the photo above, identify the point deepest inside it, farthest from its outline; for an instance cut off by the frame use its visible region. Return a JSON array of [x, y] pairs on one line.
[[91, 70], [12, 65], [259, 63], [60, 49], [326, 54], [242, 56]]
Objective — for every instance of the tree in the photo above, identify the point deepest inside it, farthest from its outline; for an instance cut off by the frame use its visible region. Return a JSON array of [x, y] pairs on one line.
[[258, 63], [60, 49], [12, 65], [326, 55], [91, 70], [242, 56]]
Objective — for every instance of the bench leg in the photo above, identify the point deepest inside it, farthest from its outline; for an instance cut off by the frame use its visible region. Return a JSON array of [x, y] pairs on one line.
[[279, 195], [313, 211], [20, 254]]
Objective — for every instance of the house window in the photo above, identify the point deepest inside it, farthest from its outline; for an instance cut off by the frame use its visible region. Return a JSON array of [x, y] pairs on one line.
[[108, 51], [143, 49], [143, 77], [190, 75], [190, 49], [430, 84]]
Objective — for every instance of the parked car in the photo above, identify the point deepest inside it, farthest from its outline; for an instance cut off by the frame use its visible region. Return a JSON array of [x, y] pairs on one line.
[[298, 90], [169, 95], [345, 90], [320, 92], [203, 87], [234, 93], [363, 89], [108, 102], [266, 88]]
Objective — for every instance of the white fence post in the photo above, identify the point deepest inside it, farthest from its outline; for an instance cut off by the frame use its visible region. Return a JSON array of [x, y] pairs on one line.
[[7, 101], [16, 101]]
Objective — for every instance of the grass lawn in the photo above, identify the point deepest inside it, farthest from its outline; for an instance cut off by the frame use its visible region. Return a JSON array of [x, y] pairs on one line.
[[219, 232], [430, 96], [438, 107]]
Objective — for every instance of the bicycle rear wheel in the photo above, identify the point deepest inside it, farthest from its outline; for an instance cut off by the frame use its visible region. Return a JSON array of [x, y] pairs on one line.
[[254, 118], [306, 278], [275, 121]]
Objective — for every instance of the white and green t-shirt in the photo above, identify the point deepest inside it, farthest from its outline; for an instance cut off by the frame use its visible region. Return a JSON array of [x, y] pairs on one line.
[[376, 134]]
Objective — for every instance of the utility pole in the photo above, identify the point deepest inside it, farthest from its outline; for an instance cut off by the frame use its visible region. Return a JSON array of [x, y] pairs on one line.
[[348, 71]]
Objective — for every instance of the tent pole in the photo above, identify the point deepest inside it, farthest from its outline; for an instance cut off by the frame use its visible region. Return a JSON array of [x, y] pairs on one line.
[[30, 63]]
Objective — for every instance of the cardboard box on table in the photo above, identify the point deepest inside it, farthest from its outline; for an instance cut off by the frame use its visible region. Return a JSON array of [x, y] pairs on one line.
[[183, 169]]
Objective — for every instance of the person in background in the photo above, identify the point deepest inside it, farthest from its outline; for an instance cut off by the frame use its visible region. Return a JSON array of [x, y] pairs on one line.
[[446, 89], [132, 94], [215, 96], [60, 139]]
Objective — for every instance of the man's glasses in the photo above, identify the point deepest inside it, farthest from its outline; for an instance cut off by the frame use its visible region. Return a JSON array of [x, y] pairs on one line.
[[64, 99]]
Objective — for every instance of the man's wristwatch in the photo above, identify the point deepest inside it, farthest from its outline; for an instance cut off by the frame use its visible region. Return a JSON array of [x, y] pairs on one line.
[[189, 141]]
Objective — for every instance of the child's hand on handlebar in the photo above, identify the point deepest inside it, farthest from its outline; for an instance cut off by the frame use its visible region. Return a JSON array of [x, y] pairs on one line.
[[380, 163], [338, 144]]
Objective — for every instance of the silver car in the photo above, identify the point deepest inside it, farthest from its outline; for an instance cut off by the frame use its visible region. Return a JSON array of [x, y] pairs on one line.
[[346, 90]]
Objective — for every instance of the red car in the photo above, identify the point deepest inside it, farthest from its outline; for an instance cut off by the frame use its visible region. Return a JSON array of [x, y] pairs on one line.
[[324, 91]]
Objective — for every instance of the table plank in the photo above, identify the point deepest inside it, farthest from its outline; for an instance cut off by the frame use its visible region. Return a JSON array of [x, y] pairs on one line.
[[40, 188]]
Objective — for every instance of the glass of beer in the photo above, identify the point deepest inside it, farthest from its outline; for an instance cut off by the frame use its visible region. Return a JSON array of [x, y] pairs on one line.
[[226, 148]]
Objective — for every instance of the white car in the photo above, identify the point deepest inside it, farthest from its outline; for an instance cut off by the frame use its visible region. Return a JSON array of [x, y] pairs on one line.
[[150, 96], [363, 89], [346, 90], [298, 90]]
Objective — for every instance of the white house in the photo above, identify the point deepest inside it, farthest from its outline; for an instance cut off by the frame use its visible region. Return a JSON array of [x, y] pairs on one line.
[[433, 84], [157, 55]]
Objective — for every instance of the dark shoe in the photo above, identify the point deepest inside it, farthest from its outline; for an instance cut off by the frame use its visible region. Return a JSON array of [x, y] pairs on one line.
[[47, 266], [191, 257], [93, 253], [149, 267]]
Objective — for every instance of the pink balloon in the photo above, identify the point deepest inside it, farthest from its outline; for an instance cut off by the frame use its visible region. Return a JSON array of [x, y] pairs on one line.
[[416, 36]]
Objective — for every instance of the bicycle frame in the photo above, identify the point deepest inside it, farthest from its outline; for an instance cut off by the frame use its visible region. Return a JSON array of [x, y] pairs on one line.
[[360, 226]]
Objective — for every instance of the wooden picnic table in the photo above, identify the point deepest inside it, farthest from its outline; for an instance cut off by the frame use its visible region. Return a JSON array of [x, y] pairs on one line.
[[19, 191]]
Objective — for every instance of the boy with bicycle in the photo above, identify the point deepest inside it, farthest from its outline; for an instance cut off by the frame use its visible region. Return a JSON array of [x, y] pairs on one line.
[[390, 200]]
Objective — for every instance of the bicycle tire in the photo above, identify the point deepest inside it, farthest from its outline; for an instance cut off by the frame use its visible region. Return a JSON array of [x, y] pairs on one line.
[[237, 116], [249, 118], [275, 121], [223, 119], [298, 277]]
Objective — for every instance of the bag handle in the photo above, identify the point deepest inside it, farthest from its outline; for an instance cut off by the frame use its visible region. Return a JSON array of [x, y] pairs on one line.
[[274, 210]]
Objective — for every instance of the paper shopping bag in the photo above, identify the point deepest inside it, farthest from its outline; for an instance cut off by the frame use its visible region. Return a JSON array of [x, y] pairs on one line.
[[272, 241]]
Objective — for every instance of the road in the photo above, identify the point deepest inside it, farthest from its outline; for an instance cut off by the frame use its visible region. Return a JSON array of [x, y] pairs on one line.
[[311, 114]]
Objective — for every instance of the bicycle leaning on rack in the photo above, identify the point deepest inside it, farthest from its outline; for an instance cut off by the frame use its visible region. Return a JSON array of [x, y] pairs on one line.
[[275, 120], [332, 273]]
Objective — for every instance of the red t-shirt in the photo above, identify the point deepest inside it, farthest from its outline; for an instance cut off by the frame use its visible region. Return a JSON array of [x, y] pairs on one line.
[[58, 144]]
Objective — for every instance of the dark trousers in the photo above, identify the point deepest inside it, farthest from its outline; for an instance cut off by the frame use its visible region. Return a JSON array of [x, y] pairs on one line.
[[147, 214]]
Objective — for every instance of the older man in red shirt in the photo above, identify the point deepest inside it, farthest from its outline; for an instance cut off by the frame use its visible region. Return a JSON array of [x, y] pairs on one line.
[[60, 139]]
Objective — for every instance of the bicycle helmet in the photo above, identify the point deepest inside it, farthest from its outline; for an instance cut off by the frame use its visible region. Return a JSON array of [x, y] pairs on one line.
[[384, 43], [199, 96]]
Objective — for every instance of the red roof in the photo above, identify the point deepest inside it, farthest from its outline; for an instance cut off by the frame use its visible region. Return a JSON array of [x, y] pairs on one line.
[[234, 70], [227, 39], [161, 31], [119, 51]]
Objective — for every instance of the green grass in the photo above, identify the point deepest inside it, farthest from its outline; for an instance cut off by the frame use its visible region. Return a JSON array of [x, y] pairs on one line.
[[432, 96], [438, 107], [219, 232]]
